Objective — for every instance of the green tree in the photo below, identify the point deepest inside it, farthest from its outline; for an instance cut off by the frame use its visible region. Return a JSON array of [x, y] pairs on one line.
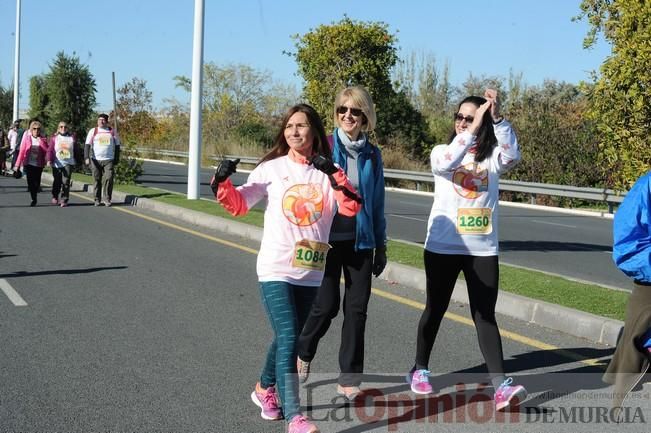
[[66, 92], [38, 99], [6, 107], [341, 54], [429, 90], [620, 95], [557, 143], [240, 104], [134, 107]]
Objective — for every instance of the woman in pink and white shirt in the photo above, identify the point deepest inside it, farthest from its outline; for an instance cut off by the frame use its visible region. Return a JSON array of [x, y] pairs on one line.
[[304, 191], [33, 149]]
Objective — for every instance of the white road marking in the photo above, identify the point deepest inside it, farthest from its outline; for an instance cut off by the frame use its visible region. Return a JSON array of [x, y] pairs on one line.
[[553, 224], [13, 295], [407, 218]]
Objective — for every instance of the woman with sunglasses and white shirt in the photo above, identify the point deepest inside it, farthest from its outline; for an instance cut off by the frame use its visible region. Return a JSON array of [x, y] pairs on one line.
[[462, 236], [358, 244], [33, 150]]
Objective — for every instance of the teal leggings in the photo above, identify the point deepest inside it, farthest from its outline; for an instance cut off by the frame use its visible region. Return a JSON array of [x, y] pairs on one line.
[[287, 306]]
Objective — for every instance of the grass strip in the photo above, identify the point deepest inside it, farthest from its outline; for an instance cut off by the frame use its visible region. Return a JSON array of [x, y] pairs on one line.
[[532, 284]]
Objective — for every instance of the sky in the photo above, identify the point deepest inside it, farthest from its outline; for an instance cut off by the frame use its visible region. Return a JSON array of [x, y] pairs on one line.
[[152, 40]]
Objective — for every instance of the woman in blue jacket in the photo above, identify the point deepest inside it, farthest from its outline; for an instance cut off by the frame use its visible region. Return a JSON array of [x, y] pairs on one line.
[[358, 244]]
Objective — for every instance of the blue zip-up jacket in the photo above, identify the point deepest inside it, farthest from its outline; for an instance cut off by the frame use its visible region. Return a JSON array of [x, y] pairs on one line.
[[371, 230], [632, 232]]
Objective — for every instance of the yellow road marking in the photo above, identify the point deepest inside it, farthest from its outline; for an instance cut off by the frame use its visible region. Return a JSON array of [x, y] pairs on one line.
[[382, 293]]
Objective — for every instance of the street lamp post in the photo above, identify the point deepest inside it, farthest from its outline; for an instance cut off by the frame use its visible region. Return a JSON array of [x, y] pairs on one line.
[[17, 62], [194, 155]]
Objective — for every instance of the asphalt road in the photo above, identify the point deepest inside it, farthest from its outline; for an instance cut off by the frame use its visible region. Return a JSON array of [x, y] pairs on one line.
[[574, 246], [131, 323]]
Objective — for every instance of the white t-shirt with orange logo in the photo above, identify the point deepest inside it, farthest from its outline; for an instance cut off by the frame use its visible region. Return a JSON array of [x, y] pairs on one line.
[[301, 206], [464, 215]]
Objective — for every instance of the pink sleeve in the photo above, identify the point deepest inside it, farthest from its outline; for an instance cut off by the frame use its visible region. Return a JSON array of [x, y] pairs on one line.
[[347, 205], [231, 199], [22, 151], [49, 156]]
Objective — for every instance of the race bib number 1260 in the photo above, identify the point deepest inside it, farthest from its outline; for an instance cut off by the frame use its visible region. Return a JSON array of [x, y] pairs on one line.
[[474, 221]]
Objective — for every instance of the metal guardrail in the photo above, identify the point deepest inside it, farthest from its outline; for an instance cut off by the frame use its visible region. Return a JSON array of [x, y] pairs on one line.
[[534, 189]]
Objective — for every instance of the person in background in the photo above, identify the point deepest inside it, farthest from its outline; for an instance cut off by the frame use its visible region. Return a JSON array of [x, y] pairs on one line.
[[358, 244], [304, 190], [61, 155], [15, 136], [4, 150], [632, 255], [102, 153], [462, 236], [31, 157]]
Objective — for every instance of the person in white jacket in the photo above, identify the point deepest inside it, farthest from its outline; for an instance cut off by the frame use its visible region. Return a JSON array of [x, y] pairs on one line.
[[462, 236]]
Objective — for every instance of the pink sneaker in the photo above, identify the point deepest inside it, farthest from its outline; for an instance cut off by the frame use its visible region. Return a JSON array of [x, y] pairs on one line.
[[64, 204], [54, 200], [508, 396], [419, 381], [300, 424], [267, 401]]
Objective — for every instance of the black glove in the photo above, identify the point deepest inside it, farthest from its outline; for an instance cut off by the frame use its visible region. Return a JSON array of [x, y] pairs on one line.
[[17, 173], [379, 260], [224, 170], [323, 164]]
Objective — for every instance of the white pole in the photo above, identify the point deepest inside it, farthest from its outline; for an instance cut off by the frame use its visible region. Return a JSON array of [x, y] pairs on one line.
[[115, 109], [194, 155], [17, 62]]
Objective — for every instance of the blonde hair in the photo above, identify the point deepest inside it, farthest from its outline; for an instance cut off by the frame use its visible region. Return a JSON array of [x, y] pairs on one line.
[[360, 97]]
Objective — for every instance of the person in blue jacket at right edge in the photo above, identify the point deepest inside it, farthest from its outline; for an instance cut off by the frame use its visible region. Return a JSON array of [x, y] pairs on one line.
[[632, 255]]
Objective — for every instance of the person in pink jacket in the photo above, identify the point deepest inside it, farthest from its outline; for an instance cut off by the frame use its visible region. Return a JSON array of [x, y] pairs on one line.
[[31, 157]]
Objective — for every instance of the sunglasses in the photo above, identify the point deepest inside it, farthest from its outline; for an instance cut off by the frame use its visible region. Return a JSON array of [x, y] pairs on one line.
[[459, 117], [63, 127], [354, 111]]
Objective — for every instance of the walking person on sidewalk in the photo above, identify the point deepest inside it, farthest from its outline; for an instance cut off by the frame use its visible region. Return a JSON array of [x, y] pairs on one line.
[[358, 244], [304, 191], [61, 155], [462, 236], [102, 153], [31, 157]]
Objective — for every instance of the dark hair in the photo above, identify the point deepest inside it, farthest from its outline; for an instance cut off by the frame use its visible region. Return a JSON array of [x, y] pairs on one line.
[[104, 116], [486, 139], [320, 144]]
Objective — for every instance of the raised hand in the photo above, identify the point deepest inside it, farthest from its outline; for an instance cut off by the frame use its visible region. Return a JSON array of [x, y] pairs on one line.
[[492, 97]]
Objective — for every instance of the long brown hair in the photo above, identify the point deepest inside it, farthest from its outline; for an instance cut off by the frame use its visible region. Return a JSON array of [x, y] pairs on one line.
[[320, 144], [486, 140]]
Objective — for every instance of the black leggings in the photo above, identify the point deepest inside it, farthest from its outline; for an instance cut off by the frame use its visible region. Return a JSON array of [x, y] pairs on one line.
[[482, 275]]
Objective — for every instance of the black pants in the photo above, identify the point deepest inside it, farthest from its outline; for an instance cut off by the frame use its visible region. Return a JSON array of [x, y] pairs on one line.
[[33, 180], [356, 266], [62, 177], [482, 276]]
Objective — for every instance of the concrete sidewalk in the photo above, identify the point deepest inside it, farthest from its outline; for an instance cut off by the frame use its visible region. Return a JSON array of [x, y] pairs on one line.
[[574, 322]]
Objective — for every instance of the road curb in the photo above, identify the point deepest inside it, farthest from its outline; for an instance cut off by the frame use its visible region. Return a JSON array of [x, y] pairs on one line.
[[570, 321]]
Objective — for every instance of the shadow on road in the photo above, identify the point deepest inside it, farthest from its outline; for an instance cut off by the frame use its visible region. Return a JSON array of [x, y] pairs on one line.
[[60, 272], [551, 246]]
